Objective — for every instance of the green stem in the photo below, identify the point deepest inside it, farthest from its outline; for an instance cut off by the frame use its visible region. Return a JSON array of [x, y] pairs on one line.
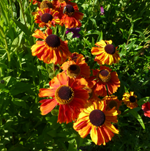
[[64, 34], [11, 8], [55, 30]]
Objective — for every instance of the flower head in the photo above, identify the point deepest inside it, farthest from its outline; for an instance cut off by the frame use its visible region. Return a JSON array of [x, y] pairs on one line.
[[68, 93], [97, 121], [46, 4], [75, 70], [130, 100], [71, 16], [76, 66], [146, 109], [105, 53], [112, 102], [75, 32], [52, 49], [105, 77], [62, 3], [46, 17], [77, 58]]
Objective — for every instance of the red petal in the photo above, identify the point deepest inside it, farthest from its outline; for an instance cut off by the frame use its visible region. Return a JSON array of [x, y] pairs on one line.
[[47, 106], [48, 31]]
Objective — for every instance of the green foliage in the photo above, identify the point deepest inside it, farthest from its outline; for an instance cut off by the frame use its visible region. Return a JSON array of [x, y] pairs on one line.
[[22, 127]]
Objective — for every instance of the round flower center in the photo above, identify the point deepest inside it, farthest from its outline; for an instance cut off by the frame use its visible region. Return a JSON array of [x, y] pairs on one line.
[[112, 104], [46, 17], [109, 48], [97, 117], [132, 99], [73, 70], [46, 4], [64, 94], [68, 9], [104, 75], [53, 41]]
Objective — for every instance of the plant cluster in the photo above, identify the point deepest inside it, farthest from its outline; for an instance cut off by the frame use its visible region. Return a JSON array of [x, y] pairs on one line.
[[88, 83]]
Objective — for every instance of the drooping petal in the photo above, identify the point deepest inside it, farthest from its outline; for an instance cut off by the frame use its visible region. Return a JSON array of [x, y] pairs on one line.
[[38, 34], [85, 130], [63, 78], [47, 106], [111, 127]]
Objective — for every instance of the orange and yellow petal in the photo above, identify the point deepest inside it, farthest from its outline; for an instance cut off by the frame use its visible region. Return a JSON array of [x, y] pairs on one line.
[[103, 56], [112, 128], [47, 21], [130, 99], [112, 101], [46, 92], [85, 130], [47, 106], [77, 58], [69, 108], [112, 82], [45, 50], [38, 34], [99, 134], [100, 89], [72, 21], [69, 112], [84, 69]]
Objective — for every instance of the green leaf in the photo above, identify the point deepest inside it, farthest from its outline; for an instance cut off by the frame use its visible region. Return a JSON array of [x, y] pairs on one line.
[[79, 141], [7, 79], [93, 21], [2, 65], [72, 145], [19, 102], [100, 37], [143, 100], [52, 133], [69, 35], [23, 28], [21, 87], [123, 50], [131, 29], [137, 116], [93, 32], [136, 19], [4, 12], [85, 6]]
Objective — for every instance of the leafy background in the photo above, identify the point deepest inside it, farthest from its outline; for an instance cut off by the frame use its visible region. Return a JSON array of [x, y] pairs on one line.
[[22, 127]]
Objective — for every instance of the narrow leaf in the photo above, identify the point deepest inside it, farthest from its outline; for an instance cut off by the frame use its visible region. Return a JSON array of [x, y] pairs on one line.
[[138, 117]]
